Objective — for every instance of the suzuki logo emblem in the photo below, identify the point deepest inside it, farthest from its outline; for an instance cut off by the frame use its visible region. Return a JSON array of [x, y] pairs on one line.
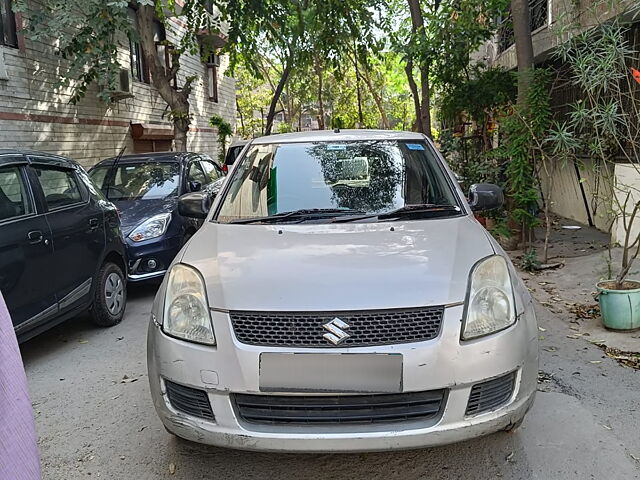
[[336, 329]]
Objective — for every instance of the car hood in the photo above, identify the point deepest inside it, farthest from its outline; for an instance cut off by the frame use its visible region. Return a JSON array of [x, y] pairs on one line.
[[134, 212], [352, 266]]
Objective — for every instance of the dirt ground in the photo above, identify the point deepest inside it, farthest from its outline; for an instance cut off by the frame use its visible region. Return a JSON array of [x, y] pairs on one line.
[[569, 290]]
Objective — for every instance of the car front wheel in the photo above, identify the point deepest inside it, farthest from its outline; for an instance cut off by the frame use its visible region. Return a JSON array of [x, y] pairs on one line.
[[110, 296]]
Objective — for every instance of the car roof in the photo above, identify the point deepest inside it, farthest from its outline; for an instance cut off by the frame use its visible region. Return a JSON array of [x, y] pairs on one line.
[[8, 156], [338, 136], [148, 157]]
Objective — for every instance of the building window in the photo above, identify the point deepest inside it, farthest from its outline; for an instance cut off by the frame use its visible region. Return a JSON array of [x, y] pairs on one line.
[[8, 34], [139, 70], [538, 18], [213, 62]]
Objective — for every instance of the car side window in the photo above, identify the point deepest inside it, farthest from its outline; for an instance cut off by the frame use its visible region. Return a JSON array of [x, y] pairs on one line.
[[195, 175], [211, 170], [14, 197], [60, 186]]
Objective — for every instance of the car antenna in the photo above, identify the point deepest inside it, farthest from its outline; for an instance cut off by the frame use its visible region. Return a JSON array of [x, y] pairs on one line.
[[115, 165]]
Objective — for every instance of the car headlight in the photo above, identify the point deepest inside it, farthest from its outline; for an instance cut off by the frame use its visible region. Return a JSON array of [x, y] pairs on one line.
[[490, 305], [186, 310], [151, 228]]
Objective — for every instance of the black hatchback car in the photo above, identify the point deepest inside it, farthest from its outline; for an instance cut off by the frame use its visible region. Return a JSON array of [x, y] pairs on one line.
[[61, 249], [145, 189]]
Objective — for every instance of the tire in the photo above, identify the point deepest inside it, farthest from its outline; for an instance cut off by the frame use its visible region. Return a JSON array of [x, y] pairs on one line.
[[109, 296]]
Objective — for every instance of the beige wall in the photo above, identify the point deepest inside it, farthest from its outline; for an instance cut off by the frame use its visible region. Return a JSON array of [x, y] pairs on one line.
[[627, 183], [562, 186], [35, 112]]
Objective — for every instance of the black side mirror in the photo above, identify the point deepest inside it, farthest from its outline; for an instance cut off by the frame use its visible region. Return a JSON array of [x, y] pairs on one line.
[[485, 196], [195, 205], [195, 186]]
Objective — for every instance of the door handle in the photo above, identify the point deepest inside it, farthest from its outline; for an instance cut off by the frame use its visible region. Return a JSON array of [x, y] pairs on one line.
[[35, 237]]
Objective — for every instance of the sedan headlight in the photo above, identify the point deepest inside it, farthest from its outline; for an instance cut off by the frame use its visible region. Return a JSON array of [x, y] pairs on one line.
[[490, 305], [186, 310], [151, 228]]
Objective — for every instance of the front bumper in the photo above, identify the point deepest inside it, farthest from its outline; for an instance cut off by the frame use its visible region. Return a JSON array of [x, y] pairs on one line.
[[444, 362], [161, 250]]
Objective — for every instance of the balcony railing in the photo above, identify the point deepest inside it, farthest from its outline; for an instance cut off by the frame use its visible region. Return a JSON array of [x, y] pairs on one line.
[[538, 15]]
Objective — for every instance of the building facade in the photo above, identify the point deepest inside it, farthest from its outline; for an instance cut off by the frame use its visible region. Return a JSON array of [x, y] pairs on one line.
[[35, 112], [580, 190]]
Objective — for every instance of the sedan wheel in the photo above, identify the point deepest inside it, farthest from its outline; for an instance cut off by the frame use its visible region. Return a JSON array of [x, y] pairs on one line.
[[114, 293], [110, 297]]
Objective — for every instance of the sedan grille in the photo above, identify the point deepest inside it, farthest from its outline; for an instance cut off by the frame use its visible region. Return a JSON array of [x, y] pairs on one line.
[[364, 328], [340, 409], [490, 395], [189, 400]]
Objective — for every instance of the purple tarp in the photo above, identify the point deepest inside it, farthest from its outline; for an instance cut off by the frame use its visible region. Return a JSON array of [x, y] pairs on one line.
[[18, 447]]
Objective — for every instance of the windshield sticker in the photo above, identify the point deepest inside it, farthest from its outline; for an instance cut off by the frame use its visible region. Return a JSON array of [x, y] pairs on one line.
[[336, 147], [415, 146]]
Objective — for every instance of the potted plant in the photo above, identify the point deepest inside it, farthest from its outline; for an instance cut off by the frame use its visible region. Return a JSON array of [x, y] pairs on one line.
[[619, 298]]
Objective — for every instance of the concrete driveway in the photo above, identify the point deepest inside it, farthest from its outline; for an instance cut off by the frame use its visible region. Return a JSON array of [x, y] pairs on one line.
[[95, 418]]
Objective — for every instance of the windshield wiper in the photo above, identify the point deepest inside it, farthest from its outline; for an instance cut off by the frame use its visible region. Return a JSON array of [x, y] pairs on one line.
[[406, 211], [409, 210], [300, 215]]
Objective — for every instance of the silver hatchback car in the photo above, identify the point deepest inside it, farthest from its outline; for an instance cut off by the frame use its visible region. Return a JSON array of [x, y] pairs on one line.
[[341, 297]]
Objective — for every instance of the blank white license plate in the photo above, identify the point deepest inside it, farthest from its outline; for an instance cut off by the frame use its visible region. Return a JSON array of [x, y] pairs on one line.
[[331, 372]]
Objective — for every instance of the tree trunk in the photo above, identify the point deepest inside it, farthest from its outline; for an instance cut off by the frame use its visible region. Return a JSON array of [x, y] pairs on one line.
[[414, 93], [161, 78], [244, 133], [276, 97], [377, 98], [422, 105], [524, 46], [319, 71], [425, 110], [358, 93]]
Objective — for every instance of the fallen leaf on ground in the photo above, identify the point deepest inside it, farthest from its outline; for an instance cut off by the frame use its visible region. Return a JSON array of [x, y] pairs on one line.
[[542, 329], [595, 361], [607, 427], [586, 310], [127, 379], [627, 359], [83, 341], [509, 457], [172, 468]]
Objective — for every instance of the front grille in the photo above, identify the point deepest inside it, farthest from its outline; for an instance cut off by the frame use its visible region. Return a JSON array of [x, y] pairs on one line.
[[366, 328], [489, 395], [340, 409], [189, 400]]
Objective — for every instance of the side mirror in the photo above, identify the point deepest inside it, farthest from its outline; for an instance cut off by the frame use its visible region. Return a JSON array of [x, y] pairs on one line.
[[485, 196], [195, 205], [195, 186]]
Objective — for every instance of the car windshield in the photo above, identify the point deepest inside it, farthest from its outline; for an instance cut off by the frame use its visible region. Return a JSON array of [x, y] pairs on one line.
[[359, 177], [138, 181]]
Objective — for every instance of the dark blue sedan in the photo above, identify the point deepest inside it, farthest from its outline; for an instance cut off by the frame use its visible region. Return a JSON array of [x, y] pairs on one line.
[[145, 189]]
